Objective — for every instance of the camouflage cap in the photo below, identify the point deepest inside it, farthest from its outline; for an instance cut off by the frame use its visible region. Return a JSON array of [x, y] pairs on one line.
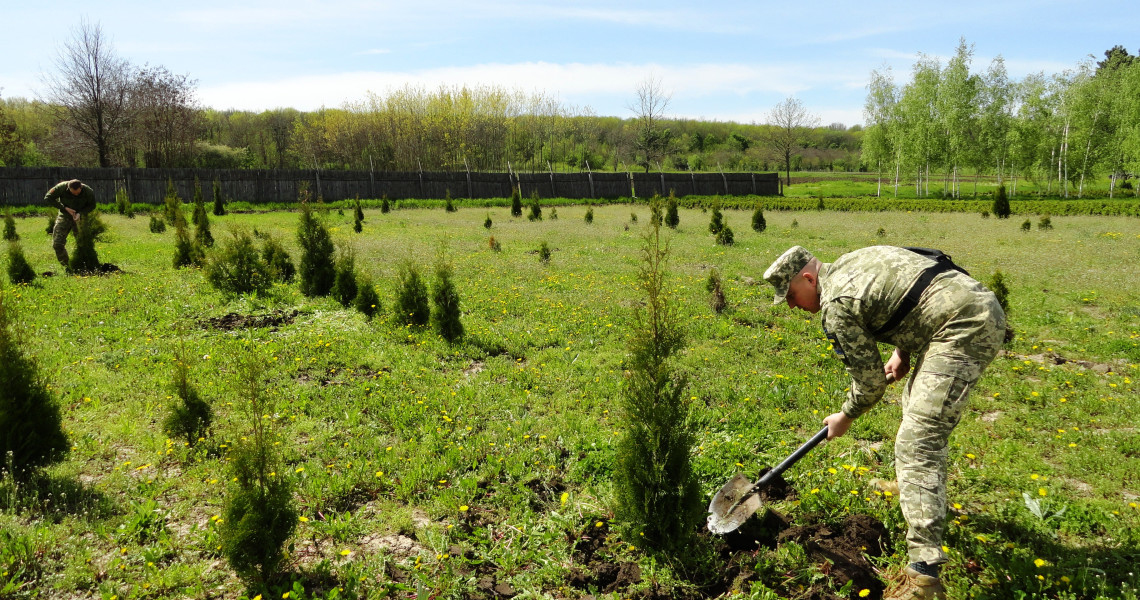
[[786, 267]]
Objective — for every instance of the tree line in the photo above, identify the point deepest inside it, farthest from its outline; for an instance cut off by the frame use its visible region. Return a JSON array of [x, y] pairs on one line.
[[1058, 131]]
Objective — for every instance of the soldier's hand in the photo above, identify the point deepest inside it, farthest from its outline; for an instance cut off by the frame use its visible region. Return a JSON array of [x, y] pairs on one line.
[[837, 424], [897, 366]]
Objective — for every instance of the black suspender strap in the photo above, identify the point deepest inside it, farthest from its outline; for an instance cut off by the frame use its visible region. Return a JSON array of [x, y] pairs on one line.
[[912, 296]]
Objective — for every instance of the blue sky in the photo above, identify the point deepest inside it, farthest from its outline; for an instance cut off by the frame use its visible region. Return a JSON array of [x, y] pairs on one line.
[[727, 61]]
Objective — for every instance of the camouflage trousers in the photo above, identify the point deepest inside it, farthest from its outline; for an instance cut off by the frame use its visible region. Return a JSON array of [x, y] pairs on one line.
[[932, 404], [64, 225]]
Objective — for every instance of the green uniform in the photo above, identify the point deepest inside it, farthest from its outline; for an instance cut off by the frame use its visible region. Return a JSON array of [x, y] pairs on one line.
[[61, 197], [954, 332]]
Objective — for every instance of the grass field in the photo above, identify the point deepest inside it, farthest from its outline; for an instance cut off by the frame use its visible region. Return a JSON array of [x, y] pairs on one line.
[[479, 469]]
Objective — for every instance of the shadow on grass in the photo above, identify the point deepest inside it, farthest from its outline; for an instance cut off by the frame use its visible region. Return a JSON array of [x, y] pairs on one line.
[[1035, 558], [54, 498]]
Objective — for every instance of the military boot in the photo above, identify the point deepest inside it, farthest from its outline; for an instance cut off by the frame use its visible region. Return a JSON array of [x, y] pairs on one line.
[[918, 581]]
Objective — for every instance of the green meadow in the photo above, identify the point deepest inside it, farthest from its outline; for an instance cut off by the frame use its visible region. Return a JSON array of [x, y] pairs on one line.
[[480, 468]]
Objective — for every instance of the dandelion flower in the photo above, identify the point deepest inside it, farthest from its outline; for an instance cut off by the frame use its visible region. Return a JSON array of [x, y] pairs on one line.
[[1040, 562], [863, 593], [463, 508], [303, 519], [1042, 492], [345, 552]]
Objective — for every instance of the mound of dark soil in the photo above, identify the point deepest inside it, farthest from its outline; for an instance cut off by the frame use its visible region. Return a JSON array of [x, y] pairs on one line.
[[233, 321], [842, 551]]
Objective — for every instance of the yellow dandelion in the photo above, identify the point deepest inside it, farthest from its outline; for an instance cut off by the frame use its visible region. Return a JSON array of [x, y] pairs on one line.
[[565, 497], [345, 552], [863, 593], [1042, 492], [463, 508], [303, 519], [1040, 562]]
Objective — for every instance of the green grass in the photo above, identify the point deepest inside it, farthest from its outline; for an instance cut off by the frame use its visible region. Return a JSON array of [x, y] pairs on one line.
[[422, 466]]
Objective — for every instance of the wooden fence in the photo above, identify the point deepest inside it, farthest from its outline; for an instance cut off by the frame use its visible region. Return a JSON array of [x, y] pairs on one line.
[[22, 186]]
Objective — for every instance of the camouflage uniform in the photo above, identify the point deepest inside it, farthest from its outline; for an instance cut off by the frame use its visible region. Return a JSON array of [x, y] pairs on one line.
[[954, 332], [61, 197]]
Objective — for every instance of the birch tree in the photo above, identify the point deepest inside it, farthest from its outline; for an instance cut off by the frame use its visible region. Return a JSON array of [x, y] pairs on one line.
[[790, 122], [878, 146]]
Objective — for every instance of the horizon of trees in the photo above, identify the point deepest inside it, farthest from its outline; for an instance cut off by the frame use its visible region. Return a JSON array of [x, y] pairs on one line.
[[1059, 130], [945, 123]]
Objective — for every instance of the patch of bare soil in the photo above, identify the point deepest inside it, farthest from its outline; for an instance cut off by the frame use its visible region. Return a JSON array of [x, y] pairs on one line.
[[231, 321], [841, 552], [1052, 358]]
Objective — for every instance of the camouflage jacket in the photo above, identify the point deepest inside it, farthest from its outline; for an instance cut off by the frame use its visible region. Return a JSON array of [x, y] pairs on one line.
[[60, 197], [860, 292]]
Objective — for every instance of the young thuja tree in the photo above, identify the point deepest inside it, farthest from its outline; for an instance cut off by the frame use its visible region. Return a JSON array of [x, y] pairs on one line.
[[202, 236], [544, 252], [516, 202], [589, 215], [446, 315], [157, 224], [344, 287], [487, 223], [172, 204], [656, 490], [759, 224], [10, 226], [535, 208], [448, 205], [367, 301], [85, 259], [716, 221], [187, 253], [1001, 203], [715, 287], [358, 217], [31, 425], [672, 217], [219, 204], [190, 416], [259, 514], [724, 237], [199, 209], [280, 263], [384, 206], [998, 287], [123, 203], [317, 272], [19, 269], [238, 267], [411, 306]]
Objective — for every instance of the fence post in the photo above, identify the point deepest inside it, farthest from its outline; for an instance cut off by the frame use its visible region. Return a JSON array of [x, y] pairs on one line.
[[552, 192], [723, 178], [371, 178], [421, 167], [590, 175], [470, 192]]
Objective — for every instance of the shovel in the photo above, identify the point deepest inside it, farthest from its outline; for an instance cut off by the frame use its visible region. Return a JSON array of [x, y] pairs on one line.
[[738, 499]]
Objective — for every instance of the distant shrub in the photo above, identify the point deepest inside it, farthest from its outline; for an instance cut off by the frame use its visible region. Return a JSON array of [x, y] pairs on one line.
[[385, 208], [715, 287], [344, 280], [487, 223], [157, 224], [448, 205], [1001, 203], [535, 208], [280, 263], [446, 315], [358, 212], [50, 224], [172, 204], [219, 203], [199, 204], [10, 226], [31, 425], [881, 232], [725, 237], [123, 204], [759, 224], [589, 215], [190, 416], [985, 214], [85, 259], [1045, 223], [544, 252], [238, 267], [494, 244], [202, 235], [1026, 226], [716, 221], [367, 301], [632, 217], [317, 271], [411, 306], [655, 216], [259, 514], [553, 214], [795, 223], [19, 269], [516, 202], [819, 205]]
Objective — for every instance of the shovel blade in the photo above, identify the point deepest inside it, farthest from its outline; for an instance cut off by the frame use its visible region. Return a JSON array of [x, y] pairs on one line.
[[732, 505]]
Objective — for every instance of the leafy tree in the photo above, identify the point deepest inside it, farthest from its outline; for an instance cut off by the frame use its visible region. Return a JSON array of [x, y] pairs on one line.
[[656, 489], [31, 426], [411, 296], [789, 123], [652, 140]]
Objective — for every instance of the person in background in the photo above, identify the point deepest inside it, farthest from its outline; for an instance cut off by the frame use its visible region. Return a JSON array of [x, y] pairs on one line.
[[73, 199]]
